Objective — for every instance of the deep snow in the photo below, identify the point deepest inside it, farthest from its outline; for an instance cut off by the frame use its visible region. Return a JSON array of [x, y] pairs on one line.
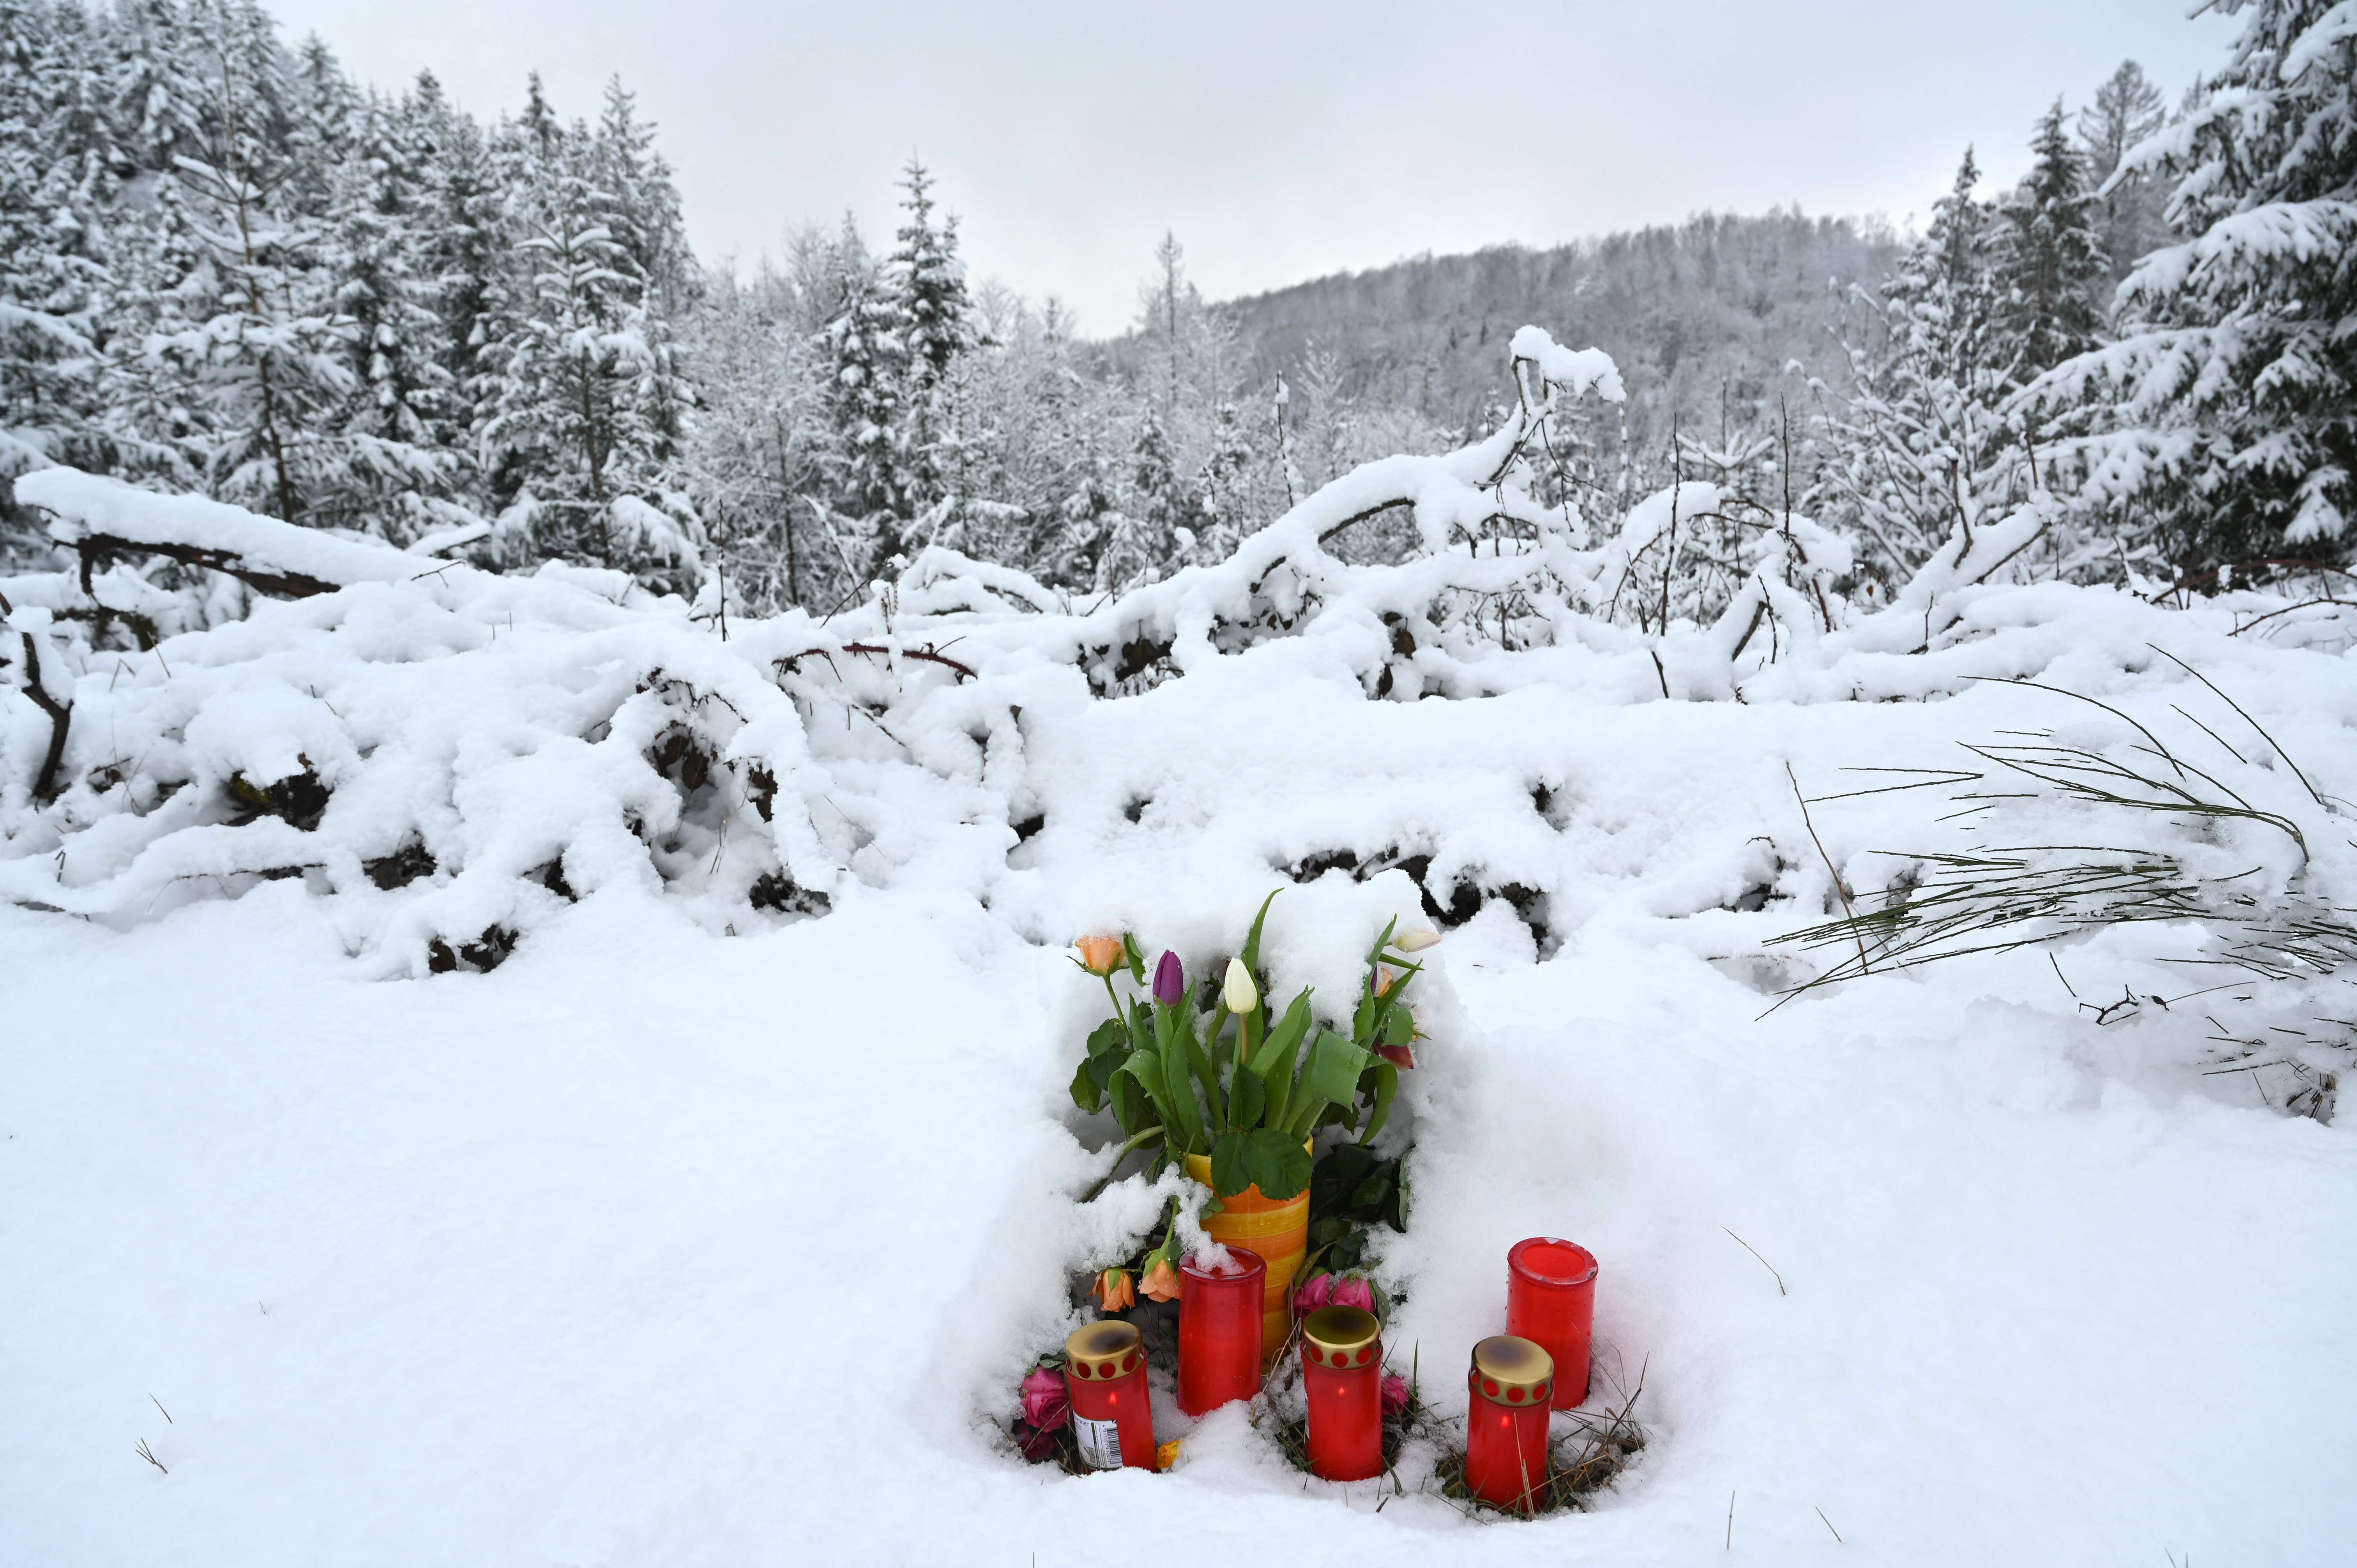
[[662, 1246]]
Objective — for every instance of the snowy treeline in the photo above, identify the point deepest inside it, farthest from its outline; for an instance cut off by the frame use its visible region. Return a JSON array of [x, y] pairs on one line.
[[230, 271]]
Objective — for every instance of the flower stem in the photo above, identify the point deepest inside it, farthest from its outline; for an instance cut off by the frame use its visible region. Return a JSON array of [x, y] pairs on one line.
[[1136, 1141]]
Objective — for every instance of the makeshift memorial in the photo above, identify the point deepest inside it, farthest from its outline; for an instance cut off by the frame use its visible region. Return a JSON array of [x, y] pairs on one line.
[[1220, 1329], [1551, 1301], [1111, 1413], [1506, 1457], [1342, 1376], [1239, 1111]]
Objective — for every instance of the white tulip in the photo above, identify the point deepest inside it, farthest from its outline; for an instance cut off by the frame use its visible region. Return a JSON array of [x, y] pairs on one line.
[[1242, 993], [1416, 941]]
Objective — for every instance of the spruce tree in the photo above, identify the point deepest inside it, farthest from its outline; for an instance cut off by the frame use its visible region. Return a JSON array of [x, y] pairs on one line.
[[2048, 265], [1922, 450], [867, 381], [2126, 212], [2225, 417]]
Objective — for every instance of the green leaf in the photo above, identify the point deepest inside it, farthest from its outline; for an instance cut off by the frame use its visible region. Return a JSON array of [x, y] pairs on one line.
[[1371, 1192], [1399, 1028], [1145, 1068], [1131, 1107], [1246, 1101], [1137, 956], [1285, 1038], [1179, 1088], [1110, 1039], [1277, 1164], [1141, 1027], [1334, 1067], [1252, 942], [1375, 953], [1228, 1174], [1386, 1086], [1087, 1093]]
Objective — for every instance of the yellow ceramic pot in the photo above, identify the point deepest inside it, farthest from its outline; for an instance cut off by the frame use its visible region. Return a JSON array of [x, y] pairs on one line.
[[1277, 1230]]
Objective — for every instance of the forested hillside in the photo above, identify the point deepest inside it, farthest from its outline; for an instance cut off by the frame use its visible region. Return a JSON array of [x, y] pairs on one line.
[[230, 269]]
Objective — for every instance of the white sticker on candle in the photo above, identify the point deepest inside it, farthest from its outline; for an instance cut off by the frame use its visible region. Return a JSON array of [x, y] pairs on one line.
[[1099, 1443]]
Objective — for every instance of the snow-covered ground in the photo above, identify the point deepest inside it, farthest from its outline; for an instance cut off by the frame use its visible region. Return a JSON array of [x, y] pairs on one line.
[[509, 1069], [663, 1245]]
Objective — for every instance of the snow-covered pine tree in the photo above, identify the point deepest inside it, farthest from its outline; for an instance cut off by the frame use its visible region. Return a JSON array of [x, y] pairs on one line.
[[2225, 415], [583, 435], [1223, 489], [866, 384], [393, 475], [2128, 110], [463, 252], [52, 265], [1921, 447], [2048, 267], [266, 364]]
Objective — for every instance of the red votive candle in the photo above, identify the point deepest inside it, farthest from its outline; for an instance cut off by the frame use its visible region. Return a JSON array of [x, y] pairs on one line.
[[1342, 1372], [1219, 1330], [1506, 1428], [1112, 1417], [1551, 1301]]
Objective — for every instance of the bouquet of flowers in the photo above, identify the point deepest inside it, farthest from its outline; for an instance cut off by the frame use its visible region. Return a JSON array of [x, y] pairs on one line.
[[1242, 1084]]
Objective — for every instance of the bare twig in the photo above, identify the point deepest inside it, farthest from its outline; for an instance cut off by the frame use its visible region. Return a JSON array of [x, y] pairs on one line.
[[1829, 1524], [1842, 892], [145, 1452], [1763, 1262], [159, 1405]]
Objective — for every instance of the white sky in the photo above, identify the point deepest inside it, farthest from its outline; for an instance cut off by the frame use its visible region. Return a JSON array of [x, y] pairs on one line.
[[1282, 141]]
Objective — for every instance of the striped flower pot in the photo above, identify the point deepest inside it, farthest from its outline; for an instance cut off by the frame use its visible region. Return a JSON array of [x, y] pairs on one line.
[[1278, 1231]]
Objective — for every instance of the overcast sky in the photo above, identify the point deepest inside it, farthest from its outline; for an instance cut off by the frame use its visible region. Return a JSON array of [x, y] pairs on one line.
[[1282, 141]]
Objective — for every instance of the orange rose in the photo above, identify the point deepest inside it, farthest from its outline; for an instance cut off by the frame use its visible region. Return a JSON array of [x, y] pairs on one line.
[[1100, 955], [1161, 1282], [1113, 1291]]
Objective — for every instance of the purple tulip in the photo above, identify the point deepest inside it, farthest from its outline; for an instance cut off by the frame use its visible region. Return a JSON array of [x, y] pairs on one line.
[[1169, 980]]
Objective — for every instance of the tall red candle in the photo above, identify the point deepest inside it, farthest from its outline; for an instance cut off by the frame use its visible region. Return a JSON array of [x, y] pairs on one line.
[[1219, 1330], [1506, 1428], [1113, 1415], [1342, 1372], [1551, 1301]]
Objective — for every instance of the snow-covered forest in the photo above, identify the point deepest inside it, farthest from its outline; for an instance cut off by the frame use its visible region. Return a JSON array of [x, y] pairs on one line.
[[570, 813]]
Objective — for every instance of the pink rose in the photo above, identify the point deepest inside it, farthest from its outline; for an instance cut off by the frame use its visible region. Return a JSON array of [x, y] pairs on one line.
[[1312, 1295], [1395, 1395], [1354, 1292], [1046, 1403]]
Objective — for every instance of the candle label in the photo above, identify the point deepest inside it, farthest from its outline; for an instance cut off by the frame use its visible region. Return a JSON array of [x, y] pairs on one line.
[[1100, 1442]]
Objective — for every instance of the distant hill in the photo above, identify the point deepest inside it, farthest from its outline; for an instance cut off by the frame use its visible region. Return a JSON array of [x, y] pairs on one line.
[[1717, 304]]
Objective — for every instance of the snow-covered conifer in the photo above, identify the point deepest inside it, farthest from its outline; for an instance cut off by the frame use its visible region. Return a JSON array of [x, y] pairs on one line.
[[2226, 414], [2048, 267]]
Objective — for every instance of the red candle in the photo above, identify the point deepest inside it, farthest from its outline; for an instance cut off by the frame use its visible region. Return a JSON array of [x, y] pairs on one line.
[[1506, 1428], [1342, 1372], [1105, 1368], [1551, 1301], [1219, 1330]]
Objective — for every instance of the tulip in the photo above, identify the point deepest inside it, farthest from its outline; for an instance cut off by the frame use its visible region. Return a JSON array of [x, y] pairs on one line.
[[1100, 955], [1416, 941], [1312, 1295], [1386, 979], [1354, 1292], [1161, 1282], [1242, 994], [1398, 1056], [1169, 980], [1395, 1396], [1047, 1401], [1113, 1291]]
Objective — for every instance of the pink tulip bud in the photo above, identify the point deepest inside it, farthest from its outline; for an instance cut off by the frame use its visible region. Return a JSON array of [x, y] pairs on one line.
[[1395, 1396]]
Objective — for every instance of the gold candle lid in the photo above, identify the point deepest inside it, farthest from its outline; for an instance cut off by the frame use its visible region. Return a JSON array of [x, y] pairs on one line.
[[1104, 1350], [1340, 1337], [1511, 1371]]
